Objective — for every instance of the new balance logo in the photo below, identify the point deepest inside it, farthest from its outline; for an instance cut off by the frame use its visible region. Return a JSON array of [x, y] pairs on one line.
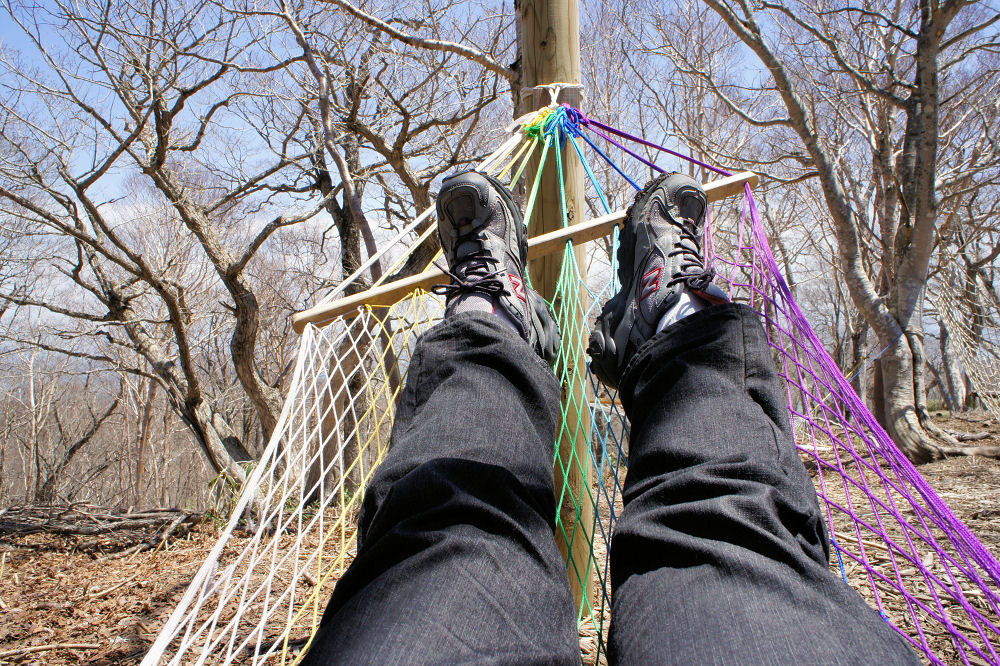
[[518, 286], [650, 283]]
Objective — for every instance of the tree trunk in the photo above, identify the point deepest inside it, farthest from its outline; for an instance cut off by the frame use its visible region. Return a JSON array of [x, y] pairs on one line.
[[875, 395], [918, 438], [217, 439], [243, 346], [325, 464], [343, 398], [859, 337], [899, 403], [142, 443], [339, 402], [954, 387], [219, 442]]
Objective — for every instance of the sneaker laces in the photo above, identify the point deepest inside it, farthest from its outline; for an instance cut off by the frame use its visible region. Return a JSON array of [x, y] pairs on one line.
[[472, 273], [692, 271]]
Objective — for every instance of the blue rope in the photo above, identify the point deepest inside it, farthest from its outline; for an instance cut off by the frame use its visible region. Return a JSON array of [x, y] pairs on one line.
[[840, 560], [610, 161], [572, 123], [554, 124], [590, 174]]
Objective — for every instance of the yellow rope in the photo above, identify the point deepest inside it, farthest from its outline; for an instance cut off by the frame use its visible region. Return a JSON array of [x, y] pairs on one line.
[[376, 417]]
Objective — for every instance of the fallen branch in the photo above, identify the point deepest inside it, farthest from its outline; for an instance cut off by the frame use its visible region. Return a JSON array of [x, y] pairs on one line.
[[969, 436], [34, 649], [88, 521], [155, 541]]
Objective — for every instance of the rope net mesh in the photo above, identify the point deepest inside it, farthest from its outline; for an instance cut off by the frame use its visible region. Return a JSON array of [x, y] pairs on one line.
[[260, 594], [973, 322]]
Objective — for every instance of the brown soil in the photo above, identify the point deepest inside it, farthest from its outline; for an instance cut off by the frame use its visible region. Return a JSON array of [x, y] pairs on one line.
[[971, 487]]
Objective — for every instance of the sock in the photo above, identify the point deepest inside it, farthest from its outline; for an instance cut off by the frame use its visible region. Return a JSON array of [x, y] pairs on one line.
[[689, 303], [686, 305], [474, 302]]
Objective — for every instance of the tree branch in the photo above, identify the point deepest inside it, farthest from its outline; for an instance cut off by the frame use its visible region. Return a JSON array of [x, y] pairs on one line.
[[429, 44]]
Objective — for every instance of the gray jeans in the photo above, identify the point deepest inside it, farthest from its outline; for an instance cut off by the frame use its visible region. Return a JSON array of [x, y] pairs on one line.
[[720, 555]]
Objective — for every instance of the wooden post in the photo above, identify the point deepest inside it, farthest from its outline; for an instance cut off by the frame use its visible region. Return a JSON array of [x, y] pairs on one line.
[[550, 53]]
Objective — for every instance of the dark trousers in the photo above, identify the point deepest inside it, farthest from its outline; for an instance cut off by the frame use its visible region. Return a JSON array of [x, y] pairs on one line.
[[720, 555]]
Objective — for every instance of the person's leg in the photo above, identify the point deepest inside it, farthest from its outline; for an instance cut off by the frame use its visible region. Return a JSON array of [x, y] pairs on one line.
[[721, 554], [456, 558]]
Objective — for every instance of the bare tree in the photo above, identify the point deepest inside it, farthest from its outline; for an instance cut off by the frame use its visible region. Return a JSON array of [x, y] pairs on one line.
[[879, 80], [118, 136], [55, 415], [165, 173]]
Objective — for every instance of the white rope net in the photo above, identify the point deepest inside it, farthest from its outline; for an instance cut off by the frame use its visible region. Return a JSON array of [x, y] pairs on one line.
[[973, 322], [261, 592], [259, 603]]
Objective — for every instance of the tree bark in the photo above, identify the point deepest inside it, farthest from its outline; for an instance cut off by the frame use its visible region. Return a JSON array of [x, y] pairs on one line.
[[954, 386], [859, 337]]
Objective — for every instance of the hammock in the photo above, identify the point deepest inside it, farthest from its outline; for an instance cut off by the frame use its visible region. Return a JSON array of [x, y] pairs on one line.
[[261, 592], [975, 333]]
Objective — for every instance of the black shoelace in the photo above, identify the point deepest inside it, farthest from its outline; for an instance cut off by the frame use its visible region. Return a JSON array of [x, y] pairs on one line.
[[472, 273], [692, 271]]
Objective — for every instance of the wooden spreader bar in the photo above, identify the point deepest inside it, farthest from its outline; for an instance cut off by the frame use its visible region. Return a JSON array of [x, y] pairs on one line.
[[539, 246]]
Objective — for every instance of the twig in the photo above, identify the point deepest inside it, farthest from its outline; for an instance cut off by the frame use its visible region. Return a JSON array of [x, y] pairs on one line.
[[969, 436], [429, 44], [47, 648], [104, 593]]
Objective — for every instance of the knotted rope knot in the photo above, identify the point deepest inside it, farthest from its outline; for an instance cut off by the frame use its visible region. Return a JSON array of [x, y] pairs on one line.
[[554, 90], [557, 124]]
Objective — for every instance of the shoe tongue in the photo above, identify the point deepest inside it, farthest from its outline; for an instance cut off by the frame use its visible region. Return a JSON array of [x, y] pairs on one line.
[[465, 248], [691, 209], [465, 264], [472, 302]]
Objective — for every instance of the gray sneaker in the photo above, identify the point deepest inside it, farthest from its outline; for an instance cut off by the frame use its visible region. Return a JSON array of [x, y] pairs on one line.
[[659, 255], [486, 245]]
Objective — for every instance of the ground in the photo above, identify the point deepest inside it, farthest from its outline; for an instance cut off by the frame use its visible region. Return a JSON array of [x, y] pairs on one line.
[[970, 485], [71, 600]]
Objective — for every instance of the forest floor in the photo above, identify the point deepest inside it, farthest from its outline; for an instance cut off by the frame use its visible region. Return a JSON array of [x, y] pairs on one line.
[[73, 599]]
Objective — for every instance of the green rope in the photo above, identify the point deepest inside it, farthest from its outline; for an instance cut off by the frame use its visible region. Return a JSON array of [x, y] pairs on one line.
[[576, 417], [530, 208]]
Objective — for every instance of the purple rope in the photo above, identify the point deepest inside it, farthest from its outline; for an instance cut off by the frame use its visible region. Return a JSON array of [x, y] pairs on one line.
[[810, 371], [888, 448], [627, 150], [584, 120]]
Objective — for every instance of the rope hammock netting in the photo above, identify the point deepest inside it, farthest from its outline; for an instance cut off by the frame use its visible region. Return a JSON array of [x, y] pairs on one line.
[[973, 322], [261, 592]]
